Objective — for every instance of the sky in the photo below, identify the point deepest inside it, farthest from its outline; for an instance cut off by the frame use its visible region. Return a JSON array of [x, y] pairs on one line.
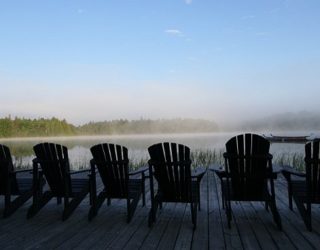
[[96, 60]]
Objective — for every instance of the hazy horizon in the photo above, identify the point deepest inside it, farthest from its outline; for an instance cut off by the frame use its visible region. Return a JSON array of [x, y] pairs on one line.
[[223, 61]]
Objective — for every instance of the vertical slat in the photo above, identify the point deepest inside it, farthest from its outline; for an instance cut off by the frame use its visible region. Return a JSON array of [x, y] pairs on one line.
[[175, 184], [167, 153], [315, 167], [120, 169], [112, 161], [248, 153], [167, 170], [232, 164], [187, 172], [54, 164], [317, 162], [241, 163], [247, 163], [99, 155], [309, 171], [175, 159], [183, 186], [6, 167]]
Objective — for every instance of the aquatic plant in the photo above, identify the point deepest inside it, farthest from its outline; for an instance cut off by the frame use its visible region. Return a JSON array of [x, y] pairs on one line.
[[199, 157]]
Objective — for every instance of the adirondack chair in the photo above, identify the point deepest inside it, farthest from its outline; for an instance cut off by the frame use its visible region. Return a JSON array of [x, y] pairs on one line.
[[248, 174], [11, 184], [52, 162], [304, 188], [170, 166], [113, 166]]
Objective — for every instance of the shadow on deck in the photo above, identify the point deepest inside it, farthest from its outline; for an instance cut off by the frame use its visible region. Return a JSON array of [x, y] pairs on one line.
[[252, 226]]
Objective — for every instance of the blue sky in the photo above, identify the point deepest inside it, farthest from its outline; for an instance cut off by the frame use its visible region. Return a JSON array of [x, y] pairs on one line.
[[222, 60]]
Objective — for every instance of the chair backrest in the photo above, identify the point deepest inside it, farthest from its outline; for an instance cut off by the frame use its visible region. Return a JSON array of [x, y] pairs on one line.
[[112, 163], [6, 167], [249, 165], [54, 162], [171, 166], [312, 161]]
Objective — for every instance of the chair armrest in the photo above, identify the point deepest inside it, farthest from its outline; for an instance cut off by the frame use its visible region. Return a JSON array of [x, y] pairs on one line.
[[139, 170], [198, 172], [22, 171], [80, 171], [218, 170], [288, 170]]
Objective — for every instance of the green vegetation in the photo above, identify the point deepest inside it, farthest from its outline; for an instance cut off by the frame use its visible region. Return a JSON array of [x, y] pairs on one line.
[[147, 126], [292, 159], [21, 127], [206, 157], [199, 158]]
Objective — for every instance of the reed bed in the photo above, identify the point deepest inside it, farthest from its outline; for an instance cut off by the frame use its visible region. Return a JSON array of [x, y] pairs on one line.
[[199, 157]]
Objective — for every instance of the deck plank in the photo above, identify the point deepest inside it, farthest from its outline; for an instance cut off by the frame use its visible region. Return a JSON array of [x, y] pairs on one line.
[[215, 213], [252, 226]]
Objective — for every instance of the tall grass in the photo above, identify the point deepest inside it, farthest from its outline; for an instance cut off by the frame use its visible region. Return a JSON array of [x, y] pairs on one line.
[[296, 160], [199, 157], [205, 158]]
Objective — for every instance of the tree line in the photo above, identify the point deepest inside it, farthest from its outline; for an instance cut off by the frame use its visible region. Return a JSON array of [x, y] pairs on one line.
[[22, 127]]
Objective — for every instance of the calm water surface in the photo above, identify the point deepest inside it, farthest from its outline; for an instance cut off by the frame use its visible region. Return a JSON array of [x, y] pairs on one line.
[[79, 147]]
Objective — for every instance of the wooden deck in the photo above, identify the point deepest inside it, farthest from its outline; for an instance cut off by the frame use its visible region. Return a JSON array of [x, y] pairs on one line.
[[252, 226]]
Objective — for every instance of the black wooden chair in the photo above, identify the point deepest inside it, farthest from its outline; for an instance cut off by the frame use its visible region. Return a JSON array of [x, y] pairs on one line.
[[13, 183], [113, 166], [248, 174], [170, 166], [304, 188], [52, 162]]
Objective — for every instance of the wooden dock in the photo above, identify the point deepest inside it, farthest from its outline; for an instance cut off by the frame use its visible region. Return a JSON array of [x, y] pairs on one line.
[[252, 226]]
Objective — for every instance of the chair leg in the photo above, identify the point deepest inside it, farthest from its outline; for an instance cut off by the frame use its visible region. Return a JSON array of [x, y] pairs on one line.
[[290, 195], [39, 203], [223, 200], [288, 178], [131, 206], [266, 205], [72, 205], [275, 213], [304, 212], [12, 206], [59, 200], [143, 188], [96, 204], [228, 212], [193, 206], [153, 211], [198, 186]]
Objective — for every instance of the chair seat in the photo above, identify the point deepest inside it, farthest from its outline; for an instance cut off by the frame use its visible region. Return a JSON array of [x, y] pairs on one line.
[[134, 186], [194, 197], [24, 184], [299, 189], [77, 185], [250, 195]]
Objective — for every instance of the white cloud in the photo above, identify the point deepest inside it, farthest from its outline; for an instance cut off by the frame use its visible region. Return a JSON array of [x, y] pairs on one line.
[[188, 1], [174, 32]]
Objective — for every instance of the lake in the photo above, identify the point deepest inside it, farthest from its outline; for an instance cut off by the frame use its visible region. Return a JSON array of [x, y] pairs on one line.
[[79, 147]]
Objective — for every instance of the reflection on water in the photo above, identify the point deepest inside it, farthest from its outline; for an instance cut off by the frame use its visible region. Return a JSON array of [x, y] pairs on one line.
[[79, 147]]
